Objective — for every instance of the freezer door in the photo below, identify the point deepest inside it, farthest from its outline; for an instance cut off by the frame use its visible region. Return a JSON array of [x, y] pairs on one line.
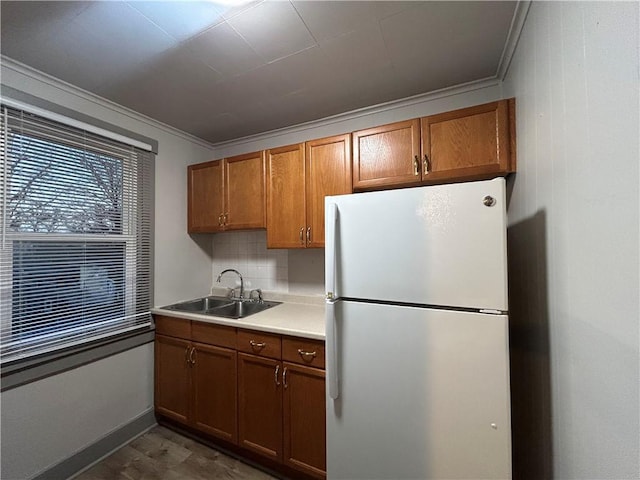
[[440, 245], [424, 394]]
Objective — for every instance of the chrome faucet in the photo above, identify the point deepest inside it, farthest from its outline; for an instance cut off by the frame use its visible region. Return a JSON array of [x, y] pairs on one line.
[[259, 292], [238, 273]]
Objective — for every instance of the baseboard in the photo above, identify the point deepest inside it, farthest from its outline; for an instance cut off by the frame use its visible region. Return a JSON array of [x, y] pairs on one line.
[[99, 449]]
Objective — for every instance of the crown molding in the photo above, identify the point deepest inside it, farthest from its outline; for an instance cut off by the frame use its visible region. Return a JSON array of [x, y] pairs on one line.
[[365, 111], [515, 30], [21, 68]]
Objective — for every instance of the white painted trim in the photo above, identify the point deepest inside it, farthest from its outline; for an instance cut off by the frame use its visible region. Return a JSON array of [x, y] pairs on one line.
[[361, 112], [21, 68], [9, 102], [517, 24]]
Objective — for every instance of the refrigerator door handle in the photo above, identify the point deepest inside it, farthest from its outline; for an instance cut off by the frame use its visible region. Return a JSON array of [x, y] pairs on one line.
[[331, 226], [332, 351]]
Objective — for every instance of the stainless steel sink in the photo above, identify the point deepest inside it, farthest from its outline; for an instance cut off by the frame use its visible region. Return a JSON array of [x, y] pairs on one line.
[[222, 307], [200, 305], [241, 309]]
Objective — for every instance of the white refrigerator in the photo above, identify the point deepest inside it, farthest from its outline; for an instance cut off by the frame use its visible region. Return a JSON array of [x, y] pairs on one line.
[[417, 334]]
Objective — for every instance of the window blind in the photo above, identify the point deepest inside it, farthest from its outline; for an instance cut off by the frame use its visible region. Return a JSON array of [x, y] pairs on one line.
[[75, 236]]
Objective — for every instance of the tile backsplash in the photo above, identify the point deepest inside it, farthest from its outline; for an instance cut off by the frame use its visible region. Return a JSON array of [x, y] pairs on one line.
[[247, 252]]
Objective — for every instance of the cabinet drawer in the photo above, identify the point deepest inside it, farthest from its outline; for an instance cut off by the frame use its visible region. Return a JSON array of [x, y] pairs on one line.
[[173, 327], [259, 343], [303, 351], [213, 334]]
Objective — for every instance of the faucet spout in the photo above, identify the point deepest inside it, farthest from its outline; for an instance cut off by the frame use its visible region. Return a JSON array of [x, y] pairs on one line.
[[237, 273]]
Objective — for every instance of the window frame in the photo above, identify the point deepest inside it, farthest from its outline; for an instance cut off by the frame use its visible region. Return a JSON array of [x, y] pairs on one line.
[[20, 371]]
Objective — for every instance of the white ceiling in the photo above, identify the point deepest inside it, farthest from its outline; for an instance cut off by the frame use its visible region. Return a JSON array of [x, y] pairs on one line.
[[221, 73]]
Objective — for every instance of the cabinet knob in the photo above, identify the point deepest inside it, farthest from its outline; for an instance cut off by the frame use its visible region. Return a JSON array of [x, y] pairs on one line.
[[220, 219], [284, 377]]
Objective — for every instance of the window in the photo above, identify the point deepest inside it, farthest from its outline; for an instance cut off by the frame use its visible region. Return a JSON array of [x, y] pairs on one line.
[[75, 236]]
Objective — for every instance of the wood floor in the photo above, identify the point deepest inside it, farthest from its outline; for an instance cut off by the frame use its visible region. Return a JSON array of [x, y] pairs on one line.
[[163, 454]]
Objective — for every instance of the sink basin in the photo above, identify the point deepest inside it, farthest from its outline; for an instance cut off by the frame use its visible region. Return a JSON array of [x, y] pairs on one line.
[[241, 309], [200, 305], [221, 307]]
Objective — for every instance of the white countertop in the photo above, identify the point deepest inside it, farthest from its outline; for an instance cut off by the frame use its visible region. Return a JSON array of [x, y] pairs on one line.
[[299, 316]]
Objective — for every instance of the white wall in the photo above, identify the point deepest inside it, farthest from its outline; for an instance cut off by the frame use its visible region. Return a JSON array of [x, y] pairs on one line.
[[573, 240], [47, 421]]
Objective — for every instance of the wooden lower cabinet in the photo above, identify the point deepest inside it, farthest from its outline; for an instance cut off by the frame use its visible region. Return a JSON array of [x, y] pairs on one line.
[[214, 391], [260, 405], [196, 386], [263, 395], [172, 379], [304, 421]]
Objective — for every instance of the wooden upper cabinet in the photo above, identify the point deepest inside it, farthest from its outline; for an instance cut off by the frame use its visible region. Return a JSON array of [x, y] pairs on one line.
[[387, 155], [227, 194], [205, 197], [298, 178], [286, 222], [469, 143], [244, 186], [328, 172]]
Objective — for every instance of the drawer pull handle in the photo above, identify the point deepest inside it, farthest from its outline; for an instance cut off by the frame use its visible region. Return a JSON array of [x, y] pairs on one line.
[[284, 377], [307, 356], [257, 346], [186, 355], [275, 375], [192, 356]]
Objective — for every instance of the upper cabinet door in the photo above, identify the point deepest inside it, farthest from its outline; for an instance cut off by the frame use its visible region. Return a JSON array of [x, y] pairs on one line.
[[286, 226], [244, 185], [205, 197], [387, 155], [328, 173], [469, 143]]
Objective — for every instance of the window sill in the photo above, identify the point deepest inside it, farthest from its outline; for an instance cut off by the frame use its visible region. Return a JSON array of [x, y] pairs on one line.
[[21, 372]]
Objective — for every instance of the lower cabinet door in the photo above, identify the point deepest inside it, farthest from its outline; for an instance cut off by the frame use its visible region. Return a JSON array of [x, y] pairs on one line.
[[260, 405], [304, 419], [214, 377], [172, 385]]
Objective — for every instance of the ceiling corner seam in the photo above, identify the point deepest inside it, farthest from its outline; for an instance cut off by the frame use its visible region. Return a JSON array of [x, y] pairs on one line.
[[515, 30]]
